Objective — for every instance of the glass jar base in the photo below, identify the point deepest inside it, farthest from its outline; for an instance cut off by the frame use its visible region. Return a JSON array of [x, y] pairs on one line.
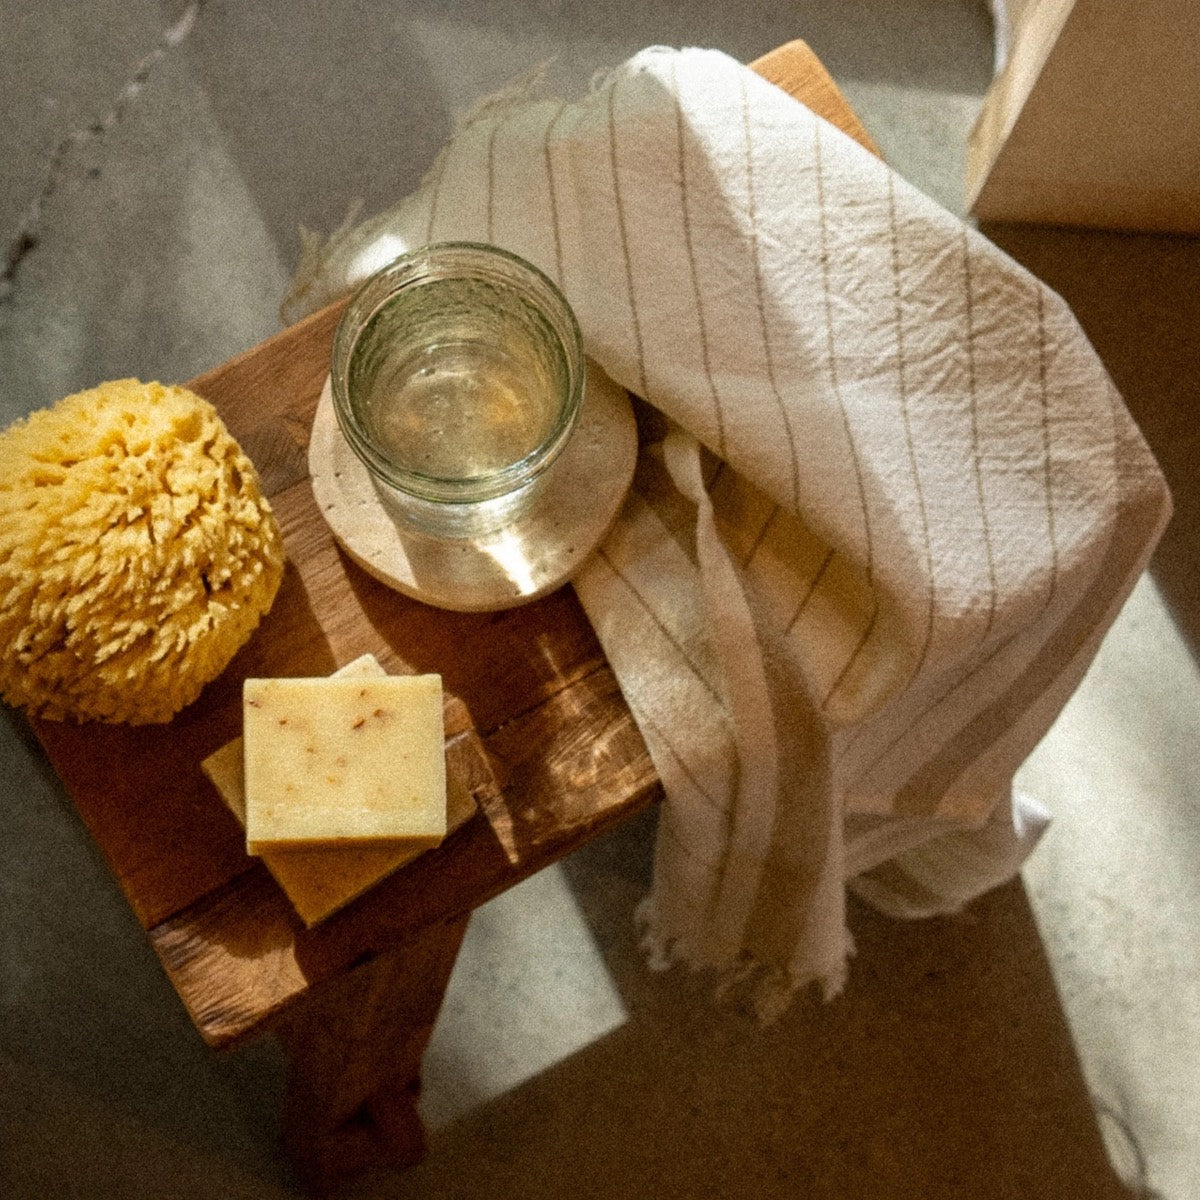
[[534, 552], [459, 521]]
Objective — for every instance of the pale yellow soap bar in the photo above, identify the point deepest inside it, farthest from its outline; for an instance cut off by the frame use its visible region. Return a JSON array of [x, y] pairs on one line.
[[227, 767], [351, 762], [319, 882]]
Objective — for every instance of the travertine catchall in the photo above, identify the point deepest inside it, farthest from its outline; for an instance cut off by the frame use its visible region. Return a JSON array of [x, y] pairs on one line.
[[137, 553]]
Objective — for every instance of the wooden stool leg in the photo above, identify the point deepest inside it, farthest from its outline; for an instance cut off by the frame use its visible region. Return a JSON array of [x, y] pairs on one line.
[[355, 1048]]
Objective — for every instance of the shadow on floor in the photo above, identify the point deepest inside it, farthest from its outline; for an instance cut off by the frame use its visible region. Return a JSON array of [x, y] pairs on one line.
[[946, 1070]]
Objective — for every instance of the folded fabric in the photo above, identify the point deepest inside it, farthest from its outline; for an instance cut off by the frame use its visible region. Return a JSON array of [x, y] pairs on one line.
[[891, 505]]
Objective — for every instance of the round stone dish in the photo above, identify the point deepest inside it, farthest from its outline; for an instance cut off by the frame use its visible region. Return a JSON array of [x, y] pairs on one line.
[[512, 565]]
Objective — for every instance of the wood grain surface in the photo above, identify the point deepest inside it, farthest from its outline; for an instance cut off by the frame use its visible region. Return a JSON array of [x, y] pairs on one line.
[[536, 724]]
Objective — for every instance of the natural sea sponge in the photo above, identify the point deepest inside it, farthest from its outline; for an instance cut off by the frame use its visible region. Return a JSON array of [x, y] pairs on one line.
[[137, 553]]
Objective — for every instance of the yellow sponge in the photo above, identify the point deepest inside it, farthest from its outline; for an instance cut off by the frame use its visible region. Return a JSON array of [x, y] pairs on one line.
[[137, 553]]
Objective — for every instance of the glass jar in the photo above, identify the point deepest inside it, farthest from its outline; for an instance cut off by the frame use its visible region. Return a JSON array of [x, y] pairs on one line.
[[457, 378]]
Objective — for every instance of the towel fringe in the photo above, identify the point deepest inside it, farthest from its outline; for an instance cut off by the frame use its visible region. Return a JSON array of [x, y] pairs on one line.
[[317, 250], [518, 90], [766, 989]]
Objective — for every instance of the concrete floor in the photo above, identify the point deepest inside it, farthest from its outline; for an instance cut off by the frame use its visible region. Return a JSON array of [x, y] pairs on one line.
[[158, 160]]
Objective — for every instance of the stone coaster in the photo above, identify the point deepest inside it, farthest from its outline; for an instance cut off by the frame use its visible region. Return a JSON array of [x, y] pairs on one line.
[[537, 553]]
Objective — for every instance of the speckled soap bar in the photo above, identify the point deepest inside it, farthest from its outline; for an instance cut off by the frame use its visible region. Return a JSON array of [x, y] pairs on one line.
[[342, 761]]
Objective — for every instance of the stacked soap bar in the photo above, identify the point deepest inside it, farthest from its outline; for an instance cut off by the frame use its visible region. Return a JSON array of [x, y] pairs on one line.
[[339, 781], [344, 761]]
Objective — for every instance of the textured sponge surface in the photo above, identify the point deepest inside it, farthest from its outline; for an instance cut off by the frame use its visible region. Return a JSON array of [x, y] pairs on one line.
[[137, 553]]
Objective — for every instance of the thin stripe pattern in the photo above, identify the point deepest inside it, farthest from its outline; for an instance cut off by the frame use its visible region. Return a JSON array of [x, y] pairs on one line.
[[911, 728], [620, 208], [981, 666], [1047, 456], [755, 256], [491, 179], [603, 556], [814, 583], [685, 213], [831, 350], [902, 379], [554, 221], [761, 536], [973, 395], [711, 865], [643, 718]]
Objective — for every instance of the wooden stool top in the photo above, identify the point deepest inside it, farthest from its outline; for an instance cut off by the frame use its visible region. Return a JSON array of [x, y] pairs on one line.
[[535, 722]]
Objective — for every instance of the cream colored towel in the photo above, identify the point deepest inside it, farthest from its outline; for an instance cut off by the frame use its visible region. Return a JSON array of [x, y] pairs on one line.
[[897, 503]]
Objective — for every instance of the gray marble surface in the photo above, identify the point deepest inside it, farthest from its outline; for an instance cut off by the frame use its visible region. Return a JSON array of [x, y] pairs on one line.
[[158, 161]]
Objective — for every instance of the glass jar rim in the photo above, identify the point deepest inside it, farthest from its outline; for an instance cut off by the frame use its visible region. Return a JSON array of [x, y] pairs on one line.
[[456, 260]]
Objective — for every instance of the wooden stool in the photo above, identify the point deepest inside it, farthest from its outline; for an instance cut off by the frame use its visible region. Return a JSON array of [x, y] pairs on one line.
[[536, 728]]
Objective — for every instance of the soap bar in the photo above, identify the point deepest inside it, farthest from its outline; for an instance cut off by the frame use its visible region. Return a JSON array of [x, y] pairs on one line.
[[226, 768], [320, 882], [340, 761]]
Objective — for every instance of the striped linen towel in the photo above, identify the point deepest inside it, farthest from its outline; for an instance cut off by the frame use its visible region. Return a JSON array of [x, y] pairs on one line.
[[887, 505]]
